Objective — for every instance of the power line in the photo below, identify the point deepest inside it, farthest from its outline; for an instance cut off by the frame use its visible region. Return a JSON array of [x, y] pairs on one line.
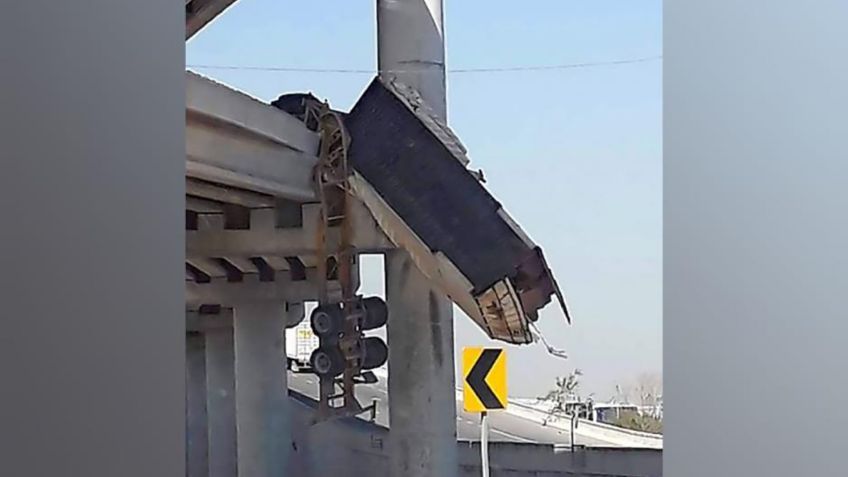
[[450, 71]]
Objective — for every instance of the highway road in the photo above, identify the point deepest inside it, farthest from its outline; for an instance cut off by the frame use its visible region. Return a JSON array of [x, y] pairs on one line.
[[503, 426]]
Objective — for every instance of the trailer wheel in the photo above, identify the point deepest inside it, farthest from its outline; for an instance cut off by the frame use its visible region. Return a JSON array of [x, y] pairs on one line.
[[376, 353], [326, 321], [327, 362], [376, 313]]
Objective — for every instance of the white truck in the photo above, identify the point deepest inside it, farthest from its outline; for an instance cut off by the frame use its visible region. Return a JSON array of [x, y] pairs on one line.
[[301, 341]]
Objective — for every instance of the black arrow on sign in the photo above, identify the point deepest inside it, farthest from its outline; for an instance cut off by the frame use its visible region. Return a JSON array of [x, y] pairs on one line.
[[477, 378]]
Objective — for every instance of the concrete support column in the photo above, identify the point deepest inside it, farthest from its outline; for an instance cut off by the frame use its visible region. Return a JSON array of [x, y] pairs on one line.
[[410, 46], [220, 401], [196, 435], [262, 420], [422, 397]]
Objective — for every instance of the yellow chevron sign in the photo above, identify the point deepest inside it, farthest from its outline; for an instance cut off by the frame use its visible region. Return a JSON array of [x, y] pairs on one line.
[[484, 379]]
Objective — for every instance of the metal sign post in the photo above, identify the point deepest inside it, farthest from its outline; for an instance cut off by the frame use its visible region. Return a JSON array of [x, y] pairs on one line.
[[484, 444], [573, 428]]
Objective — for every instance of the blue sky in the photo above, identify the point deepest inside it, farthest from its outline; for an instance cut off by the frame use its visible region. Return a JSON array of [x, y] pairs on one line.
[[574, 155]]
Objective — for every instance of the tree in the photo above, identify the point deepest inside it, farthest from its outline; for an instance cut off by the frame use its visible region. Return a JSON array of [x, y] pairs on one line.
[[645, 390], [639, 422], [564, 392], [648, 388], [622, 394]]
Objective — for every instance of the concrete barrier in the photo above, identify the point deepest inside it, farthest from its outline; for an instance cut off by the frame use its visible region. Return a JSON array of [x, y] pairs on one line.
[[520, 459]]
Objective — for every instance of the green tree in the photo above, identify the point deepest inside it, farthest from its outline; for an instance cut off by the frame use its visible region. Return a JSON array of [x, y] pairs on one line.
[[564, 392], [639, 422]]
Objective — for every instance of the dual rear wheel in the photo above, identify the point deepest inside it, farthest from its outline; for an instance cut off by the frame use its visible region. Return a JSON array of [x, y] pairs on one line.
[[327, 323], [328, 320], [330, 362]]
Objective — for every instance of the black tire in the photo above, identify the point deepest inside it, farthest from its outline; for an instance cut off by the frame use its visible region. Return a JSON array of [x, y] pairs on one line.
[[326, 321], [375, 351], [327, 362], [376, 313]]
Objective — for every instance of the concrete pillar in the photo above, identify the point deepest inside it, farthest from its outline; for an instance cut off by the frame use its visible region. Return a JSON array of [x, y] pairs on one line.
[[196, 437], [262, 420], [220, 401], [410, 47], [422, 398]]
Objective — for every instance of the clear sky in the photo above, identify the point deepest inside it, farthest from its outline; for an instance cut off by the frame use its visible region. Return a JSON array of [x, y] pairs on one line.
[[574, 155]]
